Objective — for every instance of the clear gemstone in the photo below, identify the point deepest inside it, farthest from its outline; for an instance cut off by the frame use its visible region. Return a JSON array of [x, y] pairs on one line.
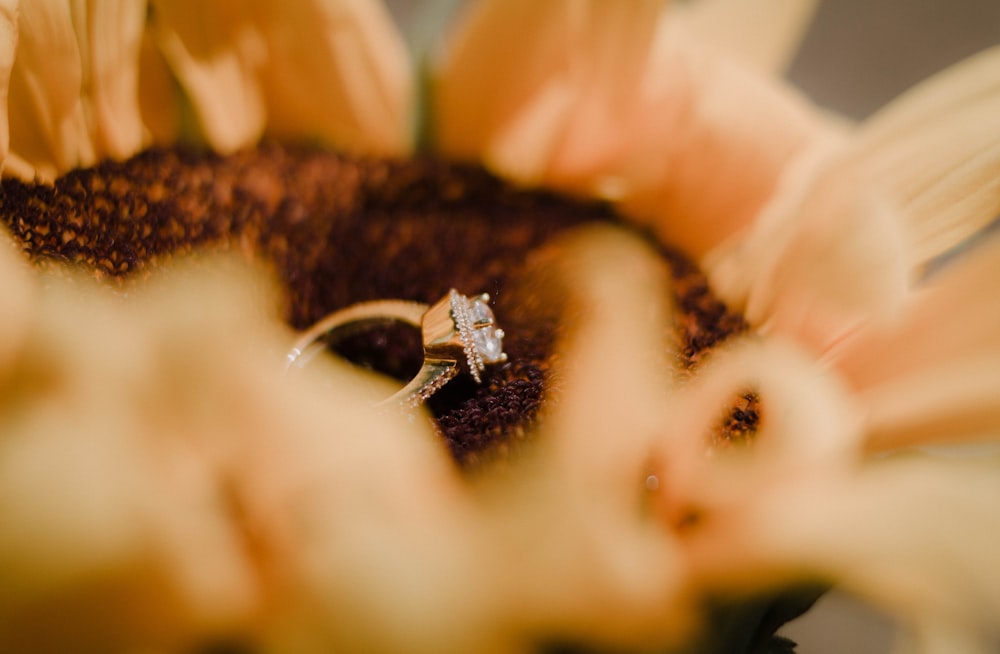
[[486, 337], [489, 343]]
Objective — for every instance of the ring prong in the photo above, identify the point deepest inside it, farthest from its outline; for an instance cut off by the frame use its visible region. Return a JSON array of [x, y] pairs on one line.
[[485, 297]]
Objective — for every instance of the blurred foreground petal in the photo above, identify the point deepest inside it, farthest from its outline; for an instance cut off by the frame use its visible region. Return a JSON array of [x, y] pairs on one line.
[[594, 564], [916, 536], [16, 302]]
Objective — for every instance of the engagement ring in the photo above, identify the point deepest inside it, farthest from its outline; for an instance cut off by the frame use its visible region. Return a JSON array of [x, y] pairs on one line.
[[459, 334]]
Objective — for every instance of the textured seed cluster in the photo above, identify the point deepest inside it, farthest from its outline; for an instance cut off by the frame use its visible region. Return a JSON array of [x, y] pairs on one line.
[[340, 229]]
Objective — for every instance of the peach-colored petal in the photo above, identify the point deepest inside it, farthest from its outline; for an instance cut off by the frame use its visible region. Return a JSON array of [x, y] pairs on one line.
[[953, 317], [8, 46], [106, 504], [618, 100], [947, 403], [485, 88], [593, 561], [615, 374], [807, 419], [216, 52], [936, 151], [808, 415], [711, 146], [765, 33], [917, 537], [109, 33], [339, 72], [334, 71], [16, 302], [827, 255], [48, 125], [160, 101]]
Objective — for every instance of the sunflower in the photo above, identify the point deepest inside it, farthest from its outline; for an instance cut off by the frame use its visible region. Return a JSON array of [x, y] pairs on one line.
[[165, 487]]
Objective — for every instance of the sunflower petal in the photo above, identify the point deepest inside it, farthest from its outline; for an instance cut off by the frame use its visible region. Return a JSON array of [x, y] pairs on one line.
[[109, 33], [580, 513], [160, 100], [954, 317], [484, 86], [937, 151], [339, 72], [16, 303], [8, 47], [709, 143], [826, 256], [935, 520], [614, 379], [619, 100], [945, 404], [48, 125], [930, 377], [808, 419], [215, 52], [763, 33], [336, 71]]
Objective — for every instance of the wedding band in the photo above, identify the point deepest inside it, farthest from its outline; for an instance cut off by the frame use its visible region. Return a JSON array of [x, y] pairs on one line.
[[459, 334]]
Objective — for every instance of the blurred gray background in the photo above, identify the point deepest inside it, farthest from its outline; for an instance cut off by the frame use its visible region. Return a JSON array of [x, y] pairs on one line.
[[862, 53], [858, 55]]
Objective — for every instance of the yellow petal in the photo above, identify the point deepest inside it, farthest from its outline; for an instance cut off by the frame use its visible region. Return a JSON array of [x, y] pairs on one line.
[[764, 33], [216, 51], [937, 151], [48, 125], [109, 34], [618, 100], [337, 71]]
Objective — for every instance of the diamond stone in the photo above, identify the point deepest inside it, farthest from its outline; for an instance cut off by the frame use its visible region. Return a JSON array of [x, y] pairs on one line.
[[486, 337], [476, 328]]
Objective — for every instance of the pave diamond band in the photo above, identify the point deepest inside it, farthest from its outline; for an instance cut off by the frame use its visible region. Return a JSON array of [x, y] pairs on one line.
[[459, 333], [481, 340]]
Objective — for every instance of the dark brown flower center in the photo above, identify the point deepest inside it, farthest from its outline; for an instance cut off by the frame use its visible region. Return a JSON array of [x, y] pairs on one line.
[[340, 230]]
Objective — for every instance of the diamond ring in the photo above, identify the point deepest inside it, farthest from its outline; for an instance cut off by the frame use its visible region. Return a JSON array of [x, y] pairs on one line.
[[459, 333]]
